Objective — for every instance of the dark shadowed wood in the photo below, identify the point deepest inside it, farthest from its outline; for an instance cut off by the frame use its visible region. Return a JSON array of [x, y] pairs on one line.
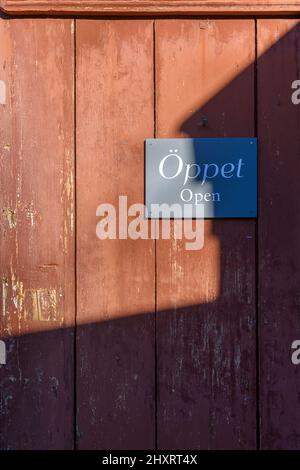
[[150, 7], [116, 278], [37, 248], [279, 232], [206, 298]]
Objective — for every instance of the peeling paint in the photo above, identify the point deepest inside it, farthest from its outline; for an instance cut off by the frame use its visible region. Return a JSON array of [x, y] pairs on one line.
[[2, 92], [4, 295], [2, 353], [54, 385], [31, 213], [48, 266], [17, 294], [69, 192], [9, 216], [67, 198], [41, 304]]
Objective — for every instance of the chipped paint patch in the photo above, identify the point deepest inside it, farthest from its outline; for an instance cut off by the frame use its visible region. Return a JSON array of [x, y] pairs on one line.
[[67, 198], [2, 92], [2, 353], [69, 192], [31, 214], [4, 295], [17, 294], [9, 215], [54, 385], [41, 304]]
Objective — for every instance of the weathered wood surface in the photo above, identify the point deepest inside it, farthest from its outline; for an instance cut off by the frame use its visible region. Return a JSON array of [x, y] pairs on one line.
[[206, 298], [37, 236], [150, 7], [279, 232], [115, 278], [187, 377]]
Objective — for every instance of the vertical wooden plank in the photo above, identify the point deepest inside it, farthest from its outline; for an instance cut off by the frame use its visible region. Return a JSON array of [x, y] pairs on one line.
[[206, 298], [116, 278], [37, 241], [279, 226]]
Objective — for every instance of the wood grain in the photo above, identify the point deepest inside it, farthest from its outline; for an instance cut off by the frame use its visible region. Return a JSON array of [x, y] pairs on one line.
[[279, 232], [150, 7], [187, 377], [206, 299], [37, 236], [116, 278]]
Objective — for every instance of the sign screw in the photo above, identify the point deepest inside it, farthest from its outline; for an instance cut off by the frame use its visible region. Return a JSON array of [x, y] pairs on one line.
[[203, 122]]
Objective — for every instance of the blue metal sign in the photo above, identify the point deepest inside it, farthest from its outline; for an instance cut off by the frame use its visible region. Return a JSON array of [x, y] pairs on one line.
[[218, 176]]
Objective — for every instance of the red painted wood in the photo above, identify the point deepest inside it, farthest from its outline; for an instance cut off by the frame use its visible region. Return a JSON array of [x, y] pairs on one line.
[[204, 353], [150, 7], [115, 278], [206, 298], [37, 236], [279, 228]]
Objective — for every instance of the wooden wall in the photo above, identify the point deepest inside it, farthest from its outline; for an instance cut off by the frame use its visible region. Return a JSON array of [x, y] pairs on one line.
[[125, 344]]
